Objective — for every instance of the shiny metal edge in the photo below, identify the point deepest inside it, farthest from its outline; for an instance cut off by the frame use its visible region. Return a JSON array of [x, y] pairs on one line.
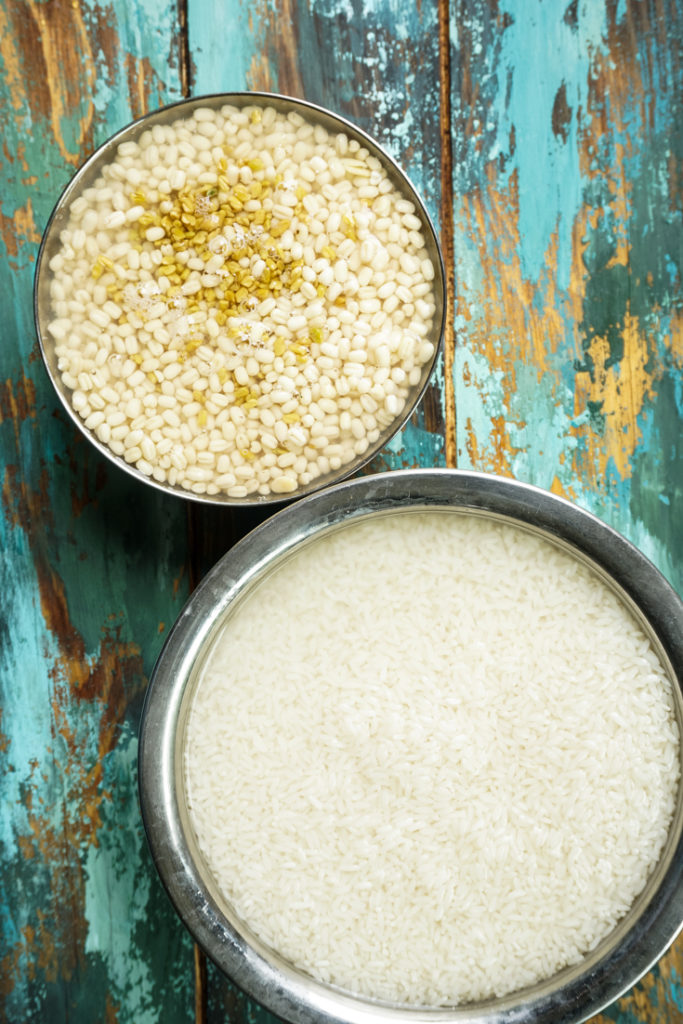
[[88, 173], [574, 994]]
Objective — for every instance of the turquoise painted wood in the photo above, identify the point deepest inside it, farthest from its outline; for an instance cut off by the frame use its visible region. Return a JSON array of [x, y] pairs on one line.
[[93, 571], [547, 140], [568, 238]]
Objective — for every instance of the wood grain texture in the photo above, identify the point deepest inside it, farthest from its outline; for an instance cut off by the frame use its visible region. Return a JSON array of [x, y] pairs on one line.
[[93, 571], [546, 138], [567, 211]]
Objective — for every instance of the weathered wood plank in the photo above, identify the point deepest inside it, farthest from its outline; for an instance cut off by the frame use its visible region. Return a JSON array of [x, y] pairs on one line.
[[568, 253], [568, 247], [566, 146], [92, 570]]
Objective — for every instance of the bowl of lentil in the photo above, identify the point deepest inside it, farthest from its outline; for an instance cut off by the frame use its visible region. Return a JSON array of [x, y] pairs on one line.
[[240, 298]]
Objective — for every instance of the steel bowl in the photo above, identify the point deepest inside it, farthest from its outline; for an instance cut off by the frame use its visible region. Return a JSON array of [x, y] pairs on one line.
[[575, 993], [88, 174]]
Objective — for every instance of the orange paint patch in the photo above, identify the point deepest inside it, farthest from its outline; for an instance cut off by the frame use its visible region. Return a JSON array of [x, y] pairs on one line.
[[25, 224], [493, 456], [21, 157], [4, 739], [507, 324], [178, 582], [674, 340], [619, 187], [277, 23], [17, 400], [259, 76], [13, 72], [471, 444], [67, 55], [85, 490], [557, 488], [620, 391], [111, 1010], [26, 847], [17, 230], [145, 90]]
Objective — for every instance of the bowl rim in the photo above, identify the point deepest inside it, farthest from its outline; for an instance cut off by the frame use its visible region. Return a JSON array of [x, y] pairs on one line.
[[572, 995], [87, 172]]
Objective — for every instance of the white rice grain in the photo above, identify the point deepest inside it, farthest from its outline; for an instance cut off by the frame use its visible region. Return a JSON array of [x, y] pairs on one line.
[[432, 759]]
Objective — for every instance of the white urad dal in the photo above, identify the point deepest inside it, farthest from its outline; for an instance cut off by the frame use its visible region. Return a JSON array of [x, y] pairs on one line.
[[433, 759], [242, 303]]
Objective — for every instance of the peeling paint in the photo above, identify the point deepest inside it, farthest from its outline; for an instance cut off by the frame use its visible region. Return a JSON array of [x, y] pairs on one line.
[[66, 760], [83, 552], [567, 370], [568, 229]]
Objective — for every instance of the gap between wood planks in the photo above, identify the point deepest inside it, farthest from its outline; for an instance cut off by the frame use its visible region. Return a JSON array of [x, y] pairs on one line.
[[184, 62], [447, 244], [447, 232]]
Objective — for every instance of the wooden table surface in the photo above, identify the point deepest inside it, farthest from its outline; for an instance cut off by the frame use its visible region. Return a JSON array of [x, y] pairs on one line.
[[546, 137]]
